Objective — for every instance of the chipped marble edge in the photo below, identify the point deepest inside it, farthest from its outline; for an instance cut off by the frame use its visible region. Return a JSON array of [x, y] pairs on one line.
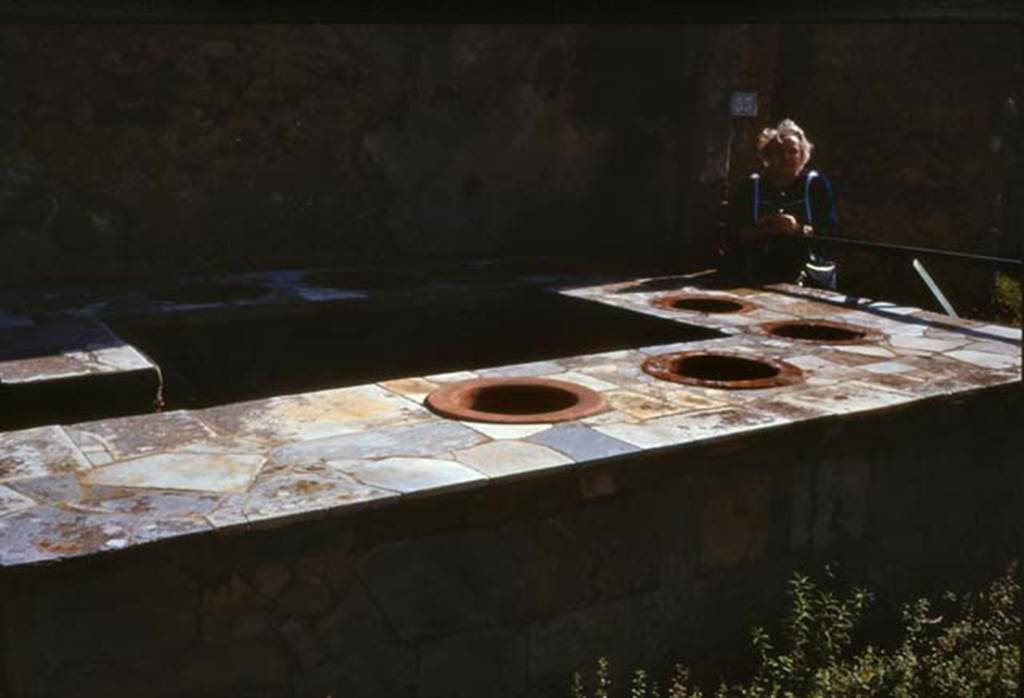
[[97, 360], [89, 372]]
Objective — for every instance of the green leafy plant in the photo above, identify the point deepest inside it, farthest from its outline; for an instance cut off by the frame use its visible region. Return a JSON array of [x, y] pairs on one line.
[[1006, 299], [957, 646]]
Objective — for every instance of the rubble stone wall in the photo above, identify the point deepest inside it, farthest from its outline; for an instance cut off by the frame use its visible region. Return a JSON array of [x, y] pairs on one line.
[[134, 151], [505, 591], [129, 151]]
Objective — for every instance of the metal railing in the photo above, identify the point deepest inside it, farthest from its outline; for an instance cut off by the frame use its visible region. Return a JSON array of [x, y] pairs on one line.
[[1000, 263]]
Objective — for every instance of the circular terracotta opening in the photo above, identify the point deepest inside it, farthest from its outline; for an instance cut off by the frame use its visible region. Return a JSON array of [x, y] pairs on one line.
[[703, 303], [515, 400], [825, 331], [208, 293], [365, 278], [722, 370]]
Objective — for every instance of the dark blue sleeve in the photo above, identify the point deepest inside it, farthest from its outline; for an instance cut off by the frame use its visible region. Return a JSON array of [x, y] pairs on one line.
[[823, 206], [741, 205]]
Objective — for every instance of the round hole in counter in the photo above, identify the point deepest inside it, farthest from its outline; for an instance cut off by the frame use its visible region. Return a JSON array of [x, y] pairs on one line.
[[703, 303], [823, 331], [722, 370], [515, 400]]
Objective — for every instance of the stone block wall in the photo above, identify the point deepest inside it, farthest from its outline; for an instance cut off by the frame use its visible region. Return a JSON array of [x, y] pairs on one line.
[[133, 151], [128, 152], [504, 591]]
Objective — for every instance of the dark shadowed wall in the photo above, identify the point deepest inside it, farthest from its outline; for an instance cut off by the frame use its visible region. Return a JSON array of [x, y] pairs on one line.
[[920, 128], [135, 151]]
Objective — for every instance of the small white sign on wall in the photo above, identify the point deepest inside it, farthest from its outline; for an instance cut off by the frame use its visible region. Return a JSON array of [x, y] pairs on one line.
[[743, 104]]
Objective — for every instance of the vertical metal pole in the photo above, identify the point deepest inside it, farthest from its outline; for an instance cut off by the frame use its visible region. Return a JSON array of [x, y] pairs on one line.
[[933, 287]]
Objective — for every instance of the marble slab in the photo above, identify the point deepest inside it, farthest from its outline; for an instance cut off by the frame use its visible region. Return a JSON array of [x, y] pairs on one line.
[[106, 485]]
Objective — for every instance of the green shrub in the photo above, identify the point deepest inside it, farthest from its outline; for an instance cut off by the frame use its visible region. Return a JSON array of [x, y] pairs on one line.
[[960, 645], [1006, 299]]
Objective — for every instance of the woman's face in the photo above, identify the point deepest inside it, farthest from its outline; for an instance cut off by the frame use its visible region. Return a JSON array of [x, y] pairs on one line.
[[785, 157]]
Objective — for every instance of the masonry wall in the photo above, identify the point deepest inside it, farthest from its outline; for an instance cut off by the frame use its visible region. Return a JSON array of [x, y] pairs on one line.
[[920, 128], [504, 592], [128, 152]]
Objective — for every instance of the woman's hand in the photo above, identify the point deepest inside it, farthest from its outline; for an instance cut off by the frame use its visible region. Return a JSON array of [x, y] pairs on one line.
[[779, 224]]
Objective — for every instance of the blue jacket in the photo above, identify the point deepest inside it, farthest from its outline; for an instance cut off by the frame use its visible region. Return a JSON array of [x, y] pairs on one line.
[[809, 199]]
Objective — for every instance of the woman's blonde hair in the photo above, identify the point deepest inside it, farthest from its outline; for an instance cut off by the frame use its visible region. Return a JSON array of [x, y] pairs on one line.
[[786, 127]]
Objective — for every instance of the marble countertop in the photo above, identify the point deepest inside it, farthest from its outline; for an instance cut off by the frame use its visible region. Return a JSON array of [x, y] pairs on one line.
[[34, 352], [75, 490]]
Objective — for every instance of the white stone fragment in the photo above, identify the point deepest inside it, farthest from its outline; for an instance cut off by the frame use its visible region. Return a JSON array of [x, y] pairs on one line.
[[643, 435], [11, 501], [123, 358], [504, 459], [507, 431], [451, 377], [866, 350], [810, 362], [888, 367], [414, 476], [1001, 331], [585, 380], [985, 359], [924, 343], [205, 472]]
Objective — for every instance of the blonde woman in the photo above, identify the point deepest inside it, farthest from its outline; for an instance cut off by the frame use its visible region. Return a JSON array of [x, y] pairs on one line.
[[783, 201]]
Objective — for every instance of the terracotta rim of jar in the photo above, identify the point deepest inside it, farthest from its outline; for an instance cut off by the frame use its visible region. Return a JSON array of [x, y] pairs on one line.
[[865, 335], [455, 400], [669, 303], [666, 367]]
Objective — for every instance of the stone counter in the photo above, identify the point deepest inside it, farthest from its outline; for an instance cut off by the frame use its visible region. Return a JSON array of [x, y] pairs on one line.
[[70, 369], [65, 357], [350, 540]]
